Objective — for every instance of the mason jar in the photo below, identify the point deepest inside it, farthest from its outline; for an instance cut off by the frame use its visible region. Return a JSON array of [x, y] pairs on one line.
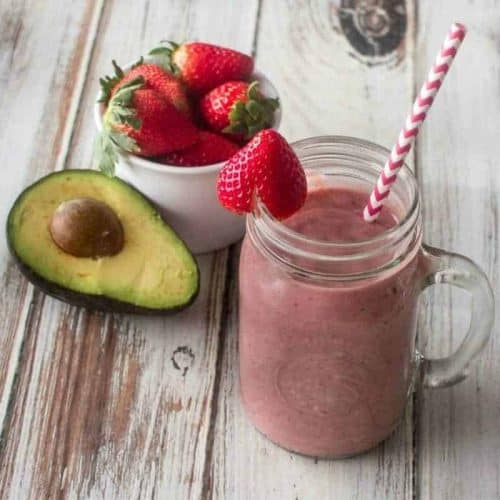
[[327, 328]]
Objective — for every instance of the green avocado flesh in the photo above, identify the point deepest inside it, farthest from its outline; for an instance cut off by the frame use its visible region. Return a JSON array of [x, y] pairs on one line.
[[154, 270]]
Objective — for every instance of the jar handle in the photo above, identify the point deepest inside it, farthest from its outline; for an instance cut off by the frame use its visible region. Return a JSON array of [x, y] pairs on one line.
[[457, 270]]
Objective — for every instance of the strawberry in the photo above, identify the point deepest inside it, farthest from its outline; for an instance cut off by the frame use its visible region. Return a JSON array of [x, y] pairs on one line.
[[202, 66], [211, 148], [140, 120], [238, 108], [266, 166], [155, 78], [164, 83]]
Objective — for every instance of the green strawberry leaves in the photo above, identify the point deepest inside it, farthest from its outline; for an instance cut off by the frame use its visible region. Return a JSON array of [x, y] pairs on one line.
[[165, 53], [105, 154], [119, 113], [120, 110], [108, 83], [257, 113]]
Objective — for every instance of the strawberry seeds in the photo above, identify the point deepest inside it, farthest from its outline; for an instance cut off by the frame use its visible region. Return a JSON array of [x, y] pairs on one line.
[[266, 166]]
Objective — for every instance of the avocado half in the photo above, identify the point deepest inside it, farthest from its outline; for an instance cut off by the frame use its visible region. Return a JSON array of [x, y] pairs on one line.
[[153, 273]]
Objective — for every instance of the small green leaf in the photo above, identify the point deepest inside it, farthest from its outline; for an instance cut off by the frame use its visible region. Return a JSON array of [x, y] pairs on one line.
[[235, 128], [118, 113], [255, 114], [254, 109], [125, 112], [137, 63], [273, 104], [165, 54], [238, 111], [253, 129], [134, 122], [108, 83], [124, 141], [118, 70], [119, 110], [104, 154], [253, 91], [159, 51], [125, 93]]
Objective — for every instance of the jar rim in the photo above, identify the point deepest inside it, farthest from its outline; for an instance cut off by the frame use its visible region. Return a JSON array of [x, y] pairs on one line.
[[263, 213], [349, 158]]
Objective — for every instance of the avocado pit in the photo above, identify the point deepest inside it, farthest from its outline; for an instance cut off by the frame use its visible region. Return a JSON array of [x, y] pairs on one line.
[[86, 227]]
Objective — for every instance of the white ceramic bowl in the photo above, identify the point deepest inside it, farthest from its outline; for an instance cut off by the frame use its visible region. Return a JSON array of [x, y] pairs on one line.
[[186, 196]]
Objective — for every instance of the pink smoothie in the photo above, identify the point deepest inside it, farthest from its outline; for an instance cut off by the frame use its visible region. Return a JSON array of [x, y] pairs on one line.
[[325, 369]]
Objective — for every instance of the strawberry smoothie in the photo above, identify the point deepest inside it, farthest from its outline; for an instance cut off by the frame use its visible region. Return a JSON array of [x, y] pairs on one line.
[[326, 365]]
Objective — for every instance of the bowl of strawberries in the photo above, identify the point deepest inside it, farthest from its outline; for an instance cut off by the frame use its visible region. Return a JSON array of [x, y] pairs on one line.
[[168, 123]]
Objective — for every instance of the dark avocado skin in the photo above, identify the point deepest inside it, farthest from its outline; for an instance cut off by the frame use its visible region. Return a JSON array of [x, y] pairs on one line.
[[88, 301], [95, 302]]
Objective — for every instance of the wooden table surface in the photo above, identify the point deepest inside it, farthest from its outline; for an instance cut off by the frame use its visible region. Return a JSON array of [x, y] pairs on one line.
[[110, 406]]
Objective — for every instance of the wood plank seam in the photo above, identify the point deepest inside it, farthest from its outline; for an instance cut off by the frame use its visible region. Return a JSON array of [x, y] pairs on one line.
[[13, 364], [412, 34], [31, 297], [229, 290], [10, 400], [64, 145], [218, 280], [413, 9], [256, 29], [79, 88], [33, 319]]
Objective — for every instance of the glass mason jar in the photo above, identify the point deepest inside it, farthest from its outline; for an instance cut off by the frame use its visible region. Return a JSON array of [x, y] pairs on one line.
[[327, 329]]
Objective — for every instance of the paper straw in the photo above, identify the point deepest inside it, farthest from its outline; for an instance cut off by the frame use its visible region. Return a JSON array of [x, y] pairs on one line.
[[414, 120]]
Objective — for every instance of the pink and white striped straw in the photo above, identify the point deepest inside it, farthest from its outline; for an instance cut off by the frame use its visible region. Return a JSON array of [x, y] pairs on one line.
[[414, 120]]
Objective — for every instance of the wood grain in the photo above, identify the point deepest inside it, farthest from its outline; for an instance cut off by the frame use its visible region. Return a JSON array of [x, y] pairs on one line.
[[324, 87], [459, 428], [110, 406], [114, 405], [324, 90], [43, 59]]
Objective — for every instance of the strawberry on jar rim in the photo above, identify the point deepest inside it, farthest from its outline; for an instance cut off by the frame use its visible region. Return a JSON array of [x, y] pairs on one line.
[[209, 149], [238, 108], [203, 66], [268, 167]]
